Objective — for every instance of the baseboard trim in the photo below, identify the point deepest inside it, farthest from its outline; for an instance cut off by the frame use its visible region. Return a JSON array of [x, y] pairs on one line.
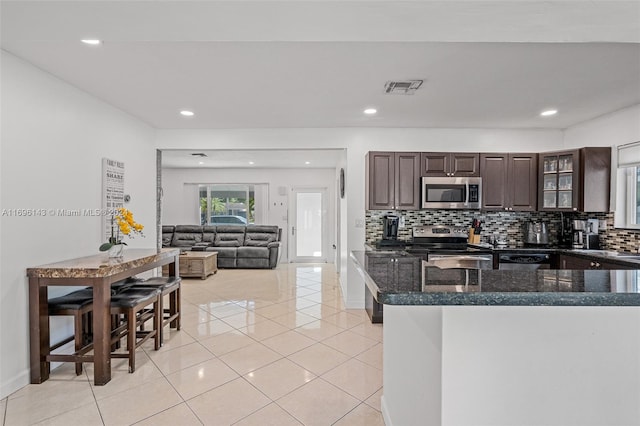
[[16, 383], [385, 412]]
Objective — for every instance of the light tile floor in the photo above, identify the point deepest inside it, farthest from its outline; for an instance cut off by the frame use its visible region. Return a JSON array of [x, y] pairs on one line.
[[257, 347]]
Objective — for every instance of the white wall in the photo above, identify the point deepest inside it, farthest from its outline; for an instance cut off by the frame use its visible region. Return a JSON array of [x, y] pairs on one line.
[[180, 200], [53, 139], [617, 128], [357, 141]]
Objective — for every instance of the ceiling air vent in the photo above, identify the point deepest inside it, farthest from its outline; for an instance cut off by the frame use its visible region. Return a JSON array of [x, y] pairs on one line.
[[199, 154], [405, 87]]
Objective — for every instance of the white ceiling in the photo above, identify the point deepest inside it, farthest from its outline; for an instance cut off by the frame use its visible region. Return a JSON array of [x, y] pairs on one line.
[[318, 64], [262, 159]]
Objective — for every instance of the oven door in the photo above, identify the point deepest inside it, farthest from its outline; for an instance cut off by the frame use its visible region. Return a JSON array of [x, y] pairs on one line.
[[451, 193], [454, 272]]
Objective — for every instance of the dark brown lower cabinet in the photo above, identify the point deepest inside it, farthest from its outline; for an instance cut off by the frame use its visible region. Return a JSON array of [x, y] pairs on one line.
[[400, 273], [373, 308], [579, 263]]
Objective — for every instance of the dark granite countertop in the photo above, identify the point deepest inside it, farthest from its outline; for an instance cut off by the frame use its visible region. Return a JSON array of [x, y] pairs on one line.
[[628, 260], [402, 285]]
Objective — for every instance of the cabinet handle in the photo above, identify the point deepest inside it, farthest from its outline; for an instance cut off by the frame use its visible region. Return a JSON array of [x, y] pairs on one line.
[[575, 209], [597, 265], [592, 264], [506, 208]]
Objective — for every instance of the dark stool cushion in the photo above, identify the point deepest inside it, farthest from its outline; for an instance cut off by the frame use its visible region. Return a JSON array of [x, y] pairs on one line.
[[122, 285], [133, 297], [163, 283], [75, 300]]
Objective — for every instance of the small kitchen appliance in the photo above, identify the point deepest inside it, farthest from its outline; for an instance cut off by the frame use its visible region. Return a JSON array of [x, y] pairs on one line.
[[578, 228], [390, 231], [591, 237], [536, 233]]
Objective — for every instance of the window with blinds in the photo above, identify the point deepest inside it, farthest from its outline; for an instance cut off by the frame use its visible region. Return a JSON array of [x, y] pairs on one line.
[[628, 186]]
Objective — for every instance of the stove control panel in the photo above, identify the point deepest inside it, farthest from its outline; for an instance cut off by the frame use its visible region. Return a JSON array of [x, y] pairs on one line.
[[440, 231]]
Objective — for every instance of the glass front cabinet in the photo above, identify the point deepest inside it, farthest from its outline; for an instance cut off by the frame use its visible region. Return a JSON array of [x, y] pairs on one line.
[[559, 181]]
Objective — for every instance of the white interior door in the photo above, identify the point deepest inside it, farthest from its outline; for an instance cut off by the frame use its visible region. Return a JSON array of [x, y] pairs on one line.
[[308, 225]]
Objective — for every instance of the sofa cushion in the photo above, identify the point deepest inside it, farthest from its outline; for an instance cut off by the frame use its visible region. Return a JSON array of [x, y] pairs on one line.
[[167, 235], [258, 252], [258, 240], [229, 236], [186, 235], [208, 234], [225, 252]]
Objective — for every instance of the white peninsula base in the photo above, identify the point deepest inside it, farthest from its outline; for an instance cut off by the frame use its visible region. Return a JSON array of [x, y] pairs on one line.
[[511, 365]]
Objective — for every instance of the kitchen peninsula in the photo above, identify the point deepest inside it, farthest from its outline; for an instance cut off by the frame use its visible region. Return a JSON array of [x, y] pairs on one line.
[[552, 347]]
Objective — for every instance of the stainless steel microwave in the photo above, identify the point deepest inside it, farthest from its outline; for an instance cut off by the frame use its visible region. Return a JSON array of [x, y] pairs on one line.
[[451, 192]]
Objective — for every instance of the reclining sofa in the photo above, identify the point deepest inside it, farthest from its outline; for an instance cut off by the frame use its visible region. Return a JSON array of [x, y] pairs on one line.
[[250, 246]]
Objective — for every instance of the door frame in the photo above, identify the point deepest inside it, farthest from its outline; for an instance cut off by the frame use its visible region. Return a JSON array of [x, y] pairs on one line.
[[293, 205]]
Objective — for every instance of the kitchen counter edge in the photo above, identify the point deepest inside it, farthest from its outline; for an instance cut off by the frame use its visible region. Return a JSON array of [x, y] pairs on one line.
[[488, 298]]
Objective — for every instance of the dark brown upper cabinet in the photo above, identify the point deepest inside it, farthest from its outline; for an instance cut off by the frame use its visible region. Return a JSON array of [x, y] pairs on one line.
[[576, 180], [509, 181], [392, 180], [449, 164]]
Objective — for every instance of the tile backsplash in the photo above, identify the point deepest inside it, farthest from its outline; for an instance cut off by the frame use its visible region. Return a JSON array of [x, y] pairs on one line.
[[510, 224]]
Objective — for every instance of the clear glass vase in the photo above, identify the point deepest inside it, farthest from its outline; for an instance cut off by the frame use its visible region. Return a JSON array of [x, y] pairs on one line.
[[116, 250]]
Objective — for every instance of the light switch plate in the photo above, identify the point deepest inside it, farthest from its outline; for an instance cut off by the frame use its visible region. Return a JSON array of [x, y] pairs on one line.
[[401, 223]]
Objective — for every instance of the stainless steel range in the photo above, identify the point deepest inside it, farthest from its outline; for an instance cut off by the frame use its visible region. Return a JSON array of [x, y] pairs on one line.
[[447, 256], [443, 239]]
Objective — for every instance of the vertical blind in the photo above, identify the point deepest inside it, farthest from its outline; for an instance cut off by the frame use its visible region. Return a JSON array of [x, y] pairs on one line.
[[629, 155]]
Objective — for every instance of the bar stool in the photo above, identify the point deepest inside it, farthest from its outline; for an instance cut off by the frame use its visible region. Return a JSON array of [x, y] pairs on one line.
[[168, 286], [131, 304], [78, 304]]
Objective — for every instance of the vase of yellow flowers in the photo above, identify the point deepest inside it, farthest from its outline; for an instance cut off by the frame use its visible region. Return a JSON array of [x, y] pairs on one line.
[[122, 224]]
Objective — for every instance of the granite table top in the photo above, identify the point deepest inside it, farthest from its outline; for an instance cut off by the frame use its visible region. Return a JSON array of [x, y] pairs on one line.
[[101, 265], [394, 285]]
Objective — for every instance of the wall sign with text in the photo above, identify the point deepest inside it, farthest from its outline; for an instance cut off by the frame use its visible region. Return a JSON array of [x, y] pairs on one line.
[[112, 191]]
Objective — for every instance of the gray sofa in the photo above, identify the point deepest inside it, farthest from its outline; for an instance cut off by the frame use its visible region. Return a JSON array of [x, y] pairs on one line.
[[238, 246]]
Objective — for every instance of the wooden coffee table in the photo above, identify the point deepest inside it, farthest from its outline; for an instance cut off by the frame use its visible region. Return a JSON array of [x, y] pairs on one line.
[[198, 263]]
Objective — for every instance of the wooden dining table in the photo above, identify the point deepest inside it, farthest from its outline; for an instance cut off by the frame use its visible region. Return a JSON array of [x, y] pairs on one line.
[[97, 271]]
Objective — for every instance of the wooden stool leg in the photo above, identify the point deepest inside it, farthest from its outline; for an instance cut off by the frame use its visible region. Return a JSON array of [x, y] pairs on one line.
[[158, 312], [131, 339], [157, 323], [174, 307], [78, 337]]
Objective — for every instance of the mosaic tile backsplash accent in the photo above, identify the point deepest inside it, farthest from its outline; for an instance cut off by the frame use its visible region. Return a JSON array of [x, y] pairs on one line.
[[510, 224]]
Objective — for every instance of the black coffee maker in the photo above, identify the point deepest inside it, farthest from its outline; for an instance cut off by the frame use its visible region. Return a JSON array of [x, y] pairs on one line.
[[390, 231]]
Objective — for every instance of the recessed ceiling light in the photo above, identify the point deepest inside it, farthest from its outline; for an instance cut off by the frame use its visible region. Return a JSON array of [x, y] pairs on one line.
[[251, 162], [201, 162], [549, 112], [187, 113], [307, 162], [92, 42], [370, 111]]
